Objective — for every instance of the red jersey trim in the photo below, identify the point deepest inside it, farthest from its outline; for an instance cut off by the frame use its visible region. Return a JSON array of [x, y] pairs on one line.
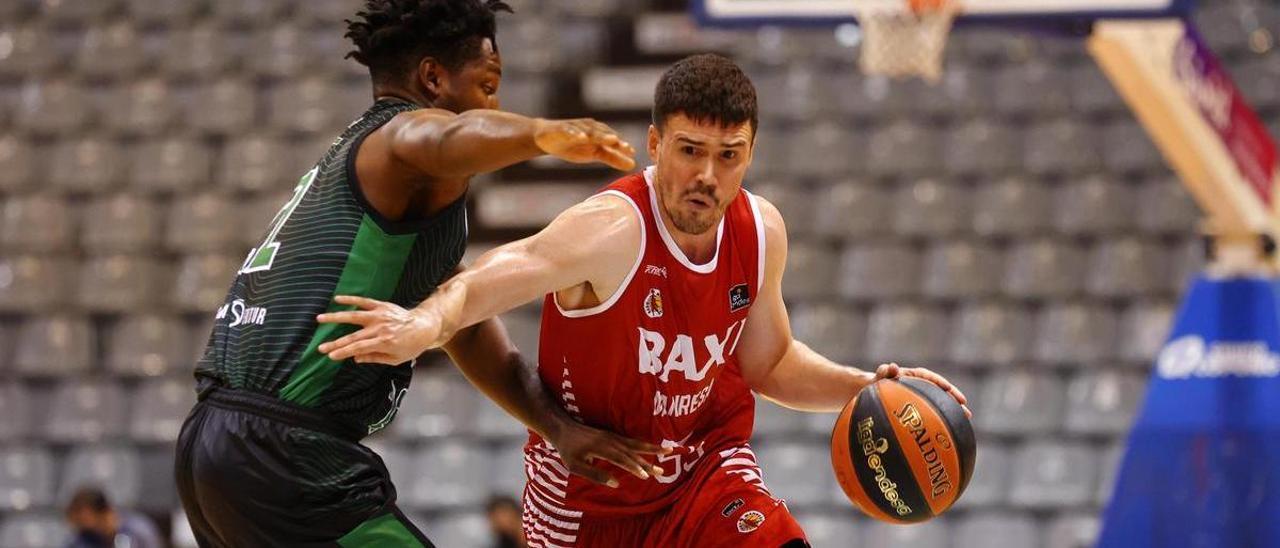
[[755, 212], [705, 268], [626, 282]]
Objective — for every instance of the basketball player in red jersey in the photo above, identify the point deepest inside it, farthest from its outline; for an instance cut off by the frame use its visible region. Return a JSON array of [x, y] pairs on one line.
[[663, 314]]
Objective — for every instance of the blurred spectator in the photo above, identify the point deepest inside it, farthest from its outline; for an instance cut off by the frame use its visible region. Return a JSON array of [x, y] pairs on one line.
[[504, 522], [97, 524]]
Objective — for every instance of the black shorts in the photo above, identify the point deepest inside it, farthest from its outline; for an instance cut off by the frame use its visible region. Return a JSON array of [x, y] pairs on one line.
[[256, 471]]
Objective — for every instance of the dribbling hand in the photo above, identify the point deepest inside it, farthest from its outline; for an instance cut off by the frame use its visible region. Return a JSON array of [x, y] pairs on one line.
[[893, 371], [584, 141]]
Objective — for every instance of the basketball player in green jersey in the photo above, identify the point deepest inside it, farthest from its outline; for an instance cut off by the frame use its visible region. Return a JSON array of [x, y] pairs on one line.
[[270, 456]]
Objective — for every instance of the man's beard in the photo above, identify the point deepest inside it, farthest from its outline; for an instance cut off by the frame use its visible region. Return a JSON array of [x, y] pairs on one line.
[[690, 222]]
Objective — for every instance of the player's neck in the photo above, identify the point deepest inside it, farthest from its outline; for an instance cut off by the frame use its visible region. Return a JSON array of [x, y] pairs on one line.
[[698, 248]]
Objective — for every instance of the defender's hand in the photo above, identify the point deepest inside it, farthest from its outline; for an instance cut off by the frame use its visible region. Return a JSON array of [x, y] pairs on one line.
[[893, 371], [583, 141], [580, 446], [388, 333]]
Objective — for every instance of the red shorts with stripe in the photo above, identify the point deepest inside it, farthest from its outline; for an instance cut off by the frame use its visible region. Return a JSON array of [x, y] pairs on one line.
[[730, 507]]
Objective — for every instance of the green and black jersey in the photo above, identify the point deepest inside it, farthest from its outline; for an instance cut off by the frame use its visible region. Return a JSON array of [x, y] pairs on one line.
[[328, 241]]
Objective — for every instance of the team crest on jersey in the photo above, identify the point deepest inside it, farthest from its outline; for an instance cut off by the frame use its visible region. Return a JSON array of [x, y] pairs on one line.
[[739, 297], [750, 521], [653, 304]]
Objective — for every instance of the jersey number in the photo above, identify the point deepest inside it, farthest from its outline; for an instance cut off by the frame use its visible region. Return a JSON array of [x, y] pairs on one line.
[[260, 258]]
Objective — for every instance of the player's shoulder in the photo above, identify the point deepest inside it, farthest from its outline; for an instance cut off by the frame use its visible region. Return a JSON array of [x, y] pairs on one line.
[[775, 228]]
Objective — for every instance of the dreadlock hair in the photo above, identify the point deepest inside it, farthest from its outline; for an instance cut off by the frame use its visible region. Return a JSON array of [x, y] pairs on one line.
[[392, 36]]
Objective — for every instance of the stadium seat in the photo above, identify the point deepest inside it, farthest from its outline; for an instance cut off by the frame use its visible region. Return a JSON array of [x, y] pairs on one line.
[[325, 12], [1092, 207], [966, 90], [587, 8], [1043, 268], [1091, 91], [1127, 267], [447, 476], [1186, 260], [903, 149], [245, 11], [200, 51], [147, 345], [257, 163], [878, 270], [16, 412], [1109, 468], [1033, 89], [824, 151], [850, 210], [121, 283], [1223, 28], [461, 528], [1019, 402], [164, 12], [170, 164], [159, 408], [1103, 402], [34, 283], [224, 107], [531, 96], [979, 147], [908, 334], [506, 472], [830, 530], [932, 534], [28, 53], [810, 271], [771, 155], [88, 164], [36, 223], [86, 411], [794, 202], [201, 223], [304, 106], [201, 283], [54, 346], [144, 108], [1126, 148], [774, 420], [116, 469], [1063, 146], [493, 422], [19, 162], [396, 457], [110, 50], [580, 42], [960, 270], [790, 473], [439, 404], [280, 51], [996, 530], [1072, 531], [529, 45], [1076, 334], [63, 13], [820, 425], [832, 330], [1011, 207], [158, 486], [989, 485], [256, 217], [120, 223], [990, 334], [1143, 329], [1165, 207], [1050, 474], [35, 530], [1259, 81], [930, 208], [27, 479], [53, 106]]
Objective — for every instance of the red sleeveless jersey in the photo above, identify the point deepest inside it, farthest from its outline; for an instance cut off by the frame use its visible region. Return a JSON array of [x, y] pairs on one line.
[[656, 361]]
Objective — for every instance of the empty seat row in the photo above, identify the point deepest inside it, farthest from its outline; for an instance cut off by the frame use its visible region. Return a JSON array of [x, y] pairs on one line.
[[91, 411], [115, 283]]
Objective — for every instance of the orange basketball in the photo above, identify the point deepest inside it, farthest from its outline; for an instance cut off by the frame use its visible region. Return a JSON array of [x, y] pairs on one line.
[[903, 450]]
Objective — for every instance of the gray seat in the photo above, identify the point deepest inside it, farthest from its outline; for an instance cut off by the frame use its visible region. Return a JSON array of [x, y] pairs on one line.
[[906, 334], [53, 107], [1125, 268], [1050, 474], [86, 164], [988, 334], [36, 223], [1020, 402], [120, 223], [439, 404], [791, 473], [832, 330], [771, 155], [930, 208], [28, 53], [115, 469], [530, 96], [774, 420], [879, 270], [997, 530], [960, 270], [35, 530], [1094, 206], [528, 45], [492, 421], [16, 412], [257, 163], [87, 411], [1074, 334], [447, 476], [32, 283], [825, 151], [165, 12], [1258, 81], [1126, 148], [245, 11], [989, 485], [1060, 147], [1143, 330], [979, 147], [1072, 531], [1103, 402], [224, 107], [63, 13], [506, 474], [18, 163], [256, 217], [397, 458], [147, 345], [160, 406], [197, 52], [1223, 28], [524, 330], [465, 529], [27, 479], [110, 51], [1108, 472], [305, 106], [966, 90], [871, 98], [794, 202], [142, 108], [903, 149], [810, 271], [201, 223], [1091, 91], [280, 51], [325, 11], [1043, 268], [931, 534], [829, 530], [54, 346], [158, 486], [121, 283], [202, 280], [851, 210], [1034, 88], [1167, 208], [1186, 260], [170, 164]]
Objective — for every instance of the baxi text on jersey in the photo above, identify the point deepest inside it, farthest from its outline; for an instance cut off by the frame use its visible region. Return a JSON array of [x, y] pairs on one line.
[[241, 314], [681, 357]]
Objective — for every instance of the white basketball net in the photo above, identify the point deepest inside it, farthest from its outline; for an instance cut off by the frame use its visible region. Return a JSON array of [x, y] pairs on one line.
[[901, 42]]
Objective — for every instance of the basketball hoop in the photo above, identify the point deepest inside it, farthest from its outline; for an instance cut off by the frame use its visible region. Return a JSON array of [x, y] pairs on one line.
[[907, 40]]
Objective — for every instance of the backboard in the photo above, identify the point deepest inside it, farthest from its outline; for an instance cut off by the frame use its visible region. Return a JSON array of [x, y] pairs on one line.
[[832, 12]]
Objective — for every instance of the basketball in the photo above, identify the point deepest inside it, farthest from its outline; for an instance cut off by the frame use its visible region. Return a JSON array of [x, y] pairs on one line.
[[903, 450]]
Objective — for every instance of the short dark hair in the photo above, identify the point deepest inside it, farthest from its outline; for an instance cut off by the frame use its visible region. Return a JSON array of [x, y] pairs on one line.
[[392, 36], [706, 88], [91, 498]]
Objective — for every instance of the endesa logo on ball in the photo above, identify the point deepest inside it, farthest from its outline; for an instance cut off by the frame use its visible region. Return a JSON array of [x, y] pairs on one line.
[[872, 449]]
